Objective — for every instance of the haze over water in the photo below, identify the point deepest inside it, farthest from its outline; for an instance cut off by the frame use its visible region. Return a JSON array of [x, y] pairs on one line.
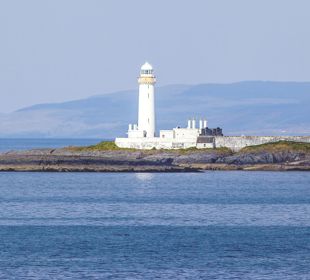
[[212, 225]]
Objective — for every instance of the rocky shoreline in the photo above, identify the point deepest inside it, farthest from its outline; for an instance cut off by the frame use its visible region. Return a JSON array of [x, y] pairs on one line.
[[122, 160]]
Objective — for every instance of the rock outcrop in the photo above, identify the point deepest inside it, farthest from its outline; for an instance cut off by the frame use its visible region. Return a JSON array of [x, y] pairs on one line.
[[68, 159]]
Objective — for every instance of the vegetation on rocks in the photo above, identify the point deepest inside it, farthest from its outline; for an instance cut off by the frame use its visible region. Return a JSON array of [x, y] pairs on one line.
[[281, 146], [102, 146]]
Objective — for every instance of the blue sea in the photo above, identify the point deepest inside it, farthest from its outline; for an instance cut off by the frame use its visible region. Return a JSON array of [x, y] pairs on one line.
[[211, 225], [8, 144]]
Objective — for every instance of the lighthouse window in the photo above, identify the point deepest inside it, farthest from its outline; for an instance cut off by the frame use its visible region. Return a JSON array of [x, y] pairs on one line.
[[146, 71]]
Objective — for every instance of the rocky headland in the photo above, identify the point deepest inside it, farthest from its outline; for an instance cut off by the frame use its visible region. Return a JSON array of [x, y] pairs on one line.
[[106, 157]]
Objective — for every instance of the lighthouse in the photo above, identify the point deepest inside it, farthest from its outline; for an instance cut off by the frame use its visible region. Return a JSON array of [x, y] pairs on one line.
[[146, 115], [142, 135]]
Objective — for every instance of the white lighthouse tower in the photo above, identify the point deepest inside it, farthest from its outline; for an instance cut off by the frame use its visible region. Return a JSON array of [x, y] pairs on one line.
[[146, 117]]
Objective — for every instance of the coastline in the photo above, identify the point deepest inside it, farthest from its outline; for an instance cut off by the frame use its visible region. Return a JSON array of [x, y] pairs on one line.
[[105, 158]]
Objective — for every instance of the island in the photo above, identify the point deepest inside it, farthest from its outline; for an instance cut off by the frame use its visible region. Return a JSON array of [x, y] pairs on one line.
[[107, 157]]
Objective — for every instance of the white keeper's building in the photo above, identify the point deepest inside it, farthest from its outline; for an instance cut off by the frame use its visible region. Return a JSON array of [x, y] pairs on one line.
[[143, 135]]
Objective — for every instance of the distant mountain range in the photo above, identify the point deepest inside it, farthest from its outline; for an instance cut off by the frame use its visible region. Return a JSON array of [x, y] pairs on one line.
[[249, 108]]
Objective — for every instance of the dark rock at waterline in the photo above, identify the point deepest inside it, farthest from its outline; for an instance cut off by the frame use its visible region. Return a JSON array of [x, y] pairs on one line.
[[264, 158], [66, 159]]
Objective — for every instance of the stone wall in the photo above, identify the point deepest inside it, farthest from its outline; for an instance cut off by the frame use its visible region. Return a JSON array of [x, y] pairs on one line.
[[156, 142], [236, 143]]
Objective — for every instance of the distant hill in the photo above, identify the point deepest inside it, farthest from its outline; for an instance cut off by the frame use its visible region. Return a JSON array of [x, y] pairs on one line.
[[253, 108]]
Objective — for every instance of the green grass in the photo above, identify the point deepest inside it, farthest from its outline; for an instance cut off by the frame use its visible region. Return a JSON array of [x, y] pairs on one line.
[[279, 146], [102, 146]]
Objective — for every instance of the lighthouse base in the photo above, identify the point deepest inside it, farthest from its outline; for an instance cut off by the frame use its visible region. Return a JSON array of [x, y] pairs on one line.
[[156, 143]]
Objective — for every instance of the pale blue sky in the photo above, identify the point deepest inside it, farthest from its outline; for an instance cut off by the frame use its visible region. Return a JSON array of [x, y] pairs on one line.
[[57, 50]]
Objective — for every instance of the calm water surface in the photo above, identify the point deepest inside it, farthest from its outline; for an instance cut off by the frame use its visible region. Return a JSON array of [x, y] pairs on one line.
[[7, 144], [213, 225]]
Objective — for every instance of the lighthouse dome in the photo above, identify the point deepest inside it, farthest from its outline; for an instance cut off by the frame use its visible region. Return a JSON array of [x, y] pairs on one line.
[[146, 69], [146, 66]]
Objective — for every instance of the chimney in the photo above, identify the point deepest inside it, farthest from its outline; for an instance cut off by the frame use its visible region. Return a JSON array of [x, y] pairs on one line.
[[200, 124], [189, 124], [205, 124], [130, 127], [193, 123]]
